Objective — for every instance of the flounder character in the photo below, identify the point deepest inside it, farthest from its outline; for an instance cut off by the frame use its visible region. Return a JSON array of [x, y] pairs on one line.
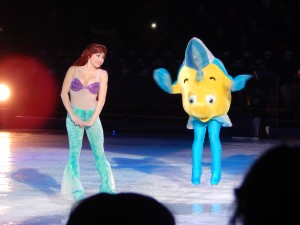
[[206, 89]]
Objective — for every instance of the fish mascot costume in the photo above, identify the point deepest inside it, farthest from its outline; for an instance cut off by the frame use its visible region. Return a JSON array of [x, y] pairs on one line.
[[206, 89]]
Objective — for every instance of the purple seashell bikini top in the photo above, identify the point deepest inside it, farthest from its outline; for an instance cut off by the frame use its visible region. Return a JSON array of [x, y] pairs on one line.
[[76, 85]]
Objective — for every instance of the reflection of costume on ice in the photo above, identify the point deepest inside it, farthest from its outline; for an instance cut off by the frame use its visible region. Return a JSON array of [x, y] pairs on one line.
[[71, 185]]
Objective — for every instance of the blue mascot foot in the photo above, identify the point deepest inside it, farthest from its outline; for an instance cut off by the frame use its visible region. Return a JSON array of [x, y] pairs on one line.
[[215, 178], [196, 179]]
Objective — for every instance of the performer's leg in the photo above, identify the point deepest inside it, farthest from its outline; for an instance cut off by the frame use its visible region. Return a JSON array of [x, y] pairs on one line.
[[96, 138], [197, 150], [214, 128], [71, 185]]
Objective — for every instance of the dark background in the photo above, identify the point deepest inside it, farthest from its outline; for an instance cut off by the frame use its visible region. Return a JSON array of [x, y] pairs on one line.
[[39, 40]]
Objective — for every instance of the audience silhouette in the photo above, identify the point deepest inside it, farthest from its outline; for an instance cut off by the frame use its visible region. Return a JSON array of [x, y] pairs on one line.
[[121, 208], [269, 193]]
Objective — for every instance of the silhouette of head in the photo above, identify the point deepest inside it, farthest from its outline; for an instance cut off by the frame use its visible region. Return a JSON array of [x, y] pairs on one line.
[[122, 208]]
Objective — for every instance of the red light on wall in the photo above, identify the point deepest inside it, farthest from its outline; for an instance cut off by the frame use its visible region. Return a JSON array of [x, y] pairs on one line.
[[33, 90]]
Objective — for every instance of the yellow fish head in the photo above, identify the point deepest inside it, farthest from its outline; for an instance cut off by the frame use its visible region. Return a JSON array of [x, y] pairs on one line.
[[205, 98]]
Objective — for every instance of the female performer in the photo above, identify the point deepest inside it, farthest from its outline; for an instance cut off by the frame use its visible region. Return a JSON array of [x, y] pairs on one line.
[[83, 95]]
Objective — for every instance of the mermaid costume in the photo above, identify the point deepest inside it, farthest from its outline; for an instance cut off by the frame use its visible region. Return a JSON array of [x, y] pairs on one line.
[[71, 186]]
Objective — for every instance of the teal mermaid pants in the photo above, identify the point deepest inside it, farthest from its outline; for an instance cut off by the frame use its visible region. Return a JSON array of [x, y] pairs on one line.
[[71, 186]]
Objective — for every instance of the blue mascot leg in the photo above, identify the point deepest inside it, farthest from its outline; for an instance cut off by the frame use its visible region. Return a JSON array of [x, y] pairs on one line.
[[197, 150], [214, 128]]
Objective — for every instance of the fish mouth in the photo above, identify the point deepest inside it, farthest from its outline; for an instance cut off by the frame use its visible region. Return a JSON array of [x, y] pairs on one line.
[[203, 113], [204, 119]]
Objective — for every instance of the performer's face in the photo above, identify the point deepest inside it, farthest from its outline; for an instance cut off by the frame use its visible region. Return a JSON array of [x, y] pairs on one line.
[[97, 59]]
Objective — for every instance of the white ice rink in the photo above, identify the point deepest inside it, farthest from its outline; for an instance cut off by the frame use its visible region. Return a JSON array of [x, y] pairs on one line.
[[32, 164]]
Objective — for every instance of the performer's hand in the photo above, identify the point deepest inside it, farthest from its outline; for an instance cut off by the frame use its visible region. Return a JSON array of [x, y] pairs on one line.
[[88, 123], [77, 121]]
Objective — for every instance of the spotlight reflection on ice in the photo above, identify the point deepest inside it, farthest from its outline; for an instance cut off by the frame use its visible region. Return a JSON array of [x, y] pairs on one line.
[[4, 161]]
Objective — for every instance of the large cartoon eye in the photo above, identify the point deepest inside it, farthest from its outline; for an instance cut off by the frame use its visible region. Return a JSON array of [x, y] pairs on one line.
[[210, 99], [192, 99]]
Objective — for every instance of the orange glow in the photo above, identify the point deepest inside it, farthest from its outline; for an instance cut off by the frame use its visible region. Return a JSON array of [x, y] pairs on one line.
[[4, 92], [34, 91]]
